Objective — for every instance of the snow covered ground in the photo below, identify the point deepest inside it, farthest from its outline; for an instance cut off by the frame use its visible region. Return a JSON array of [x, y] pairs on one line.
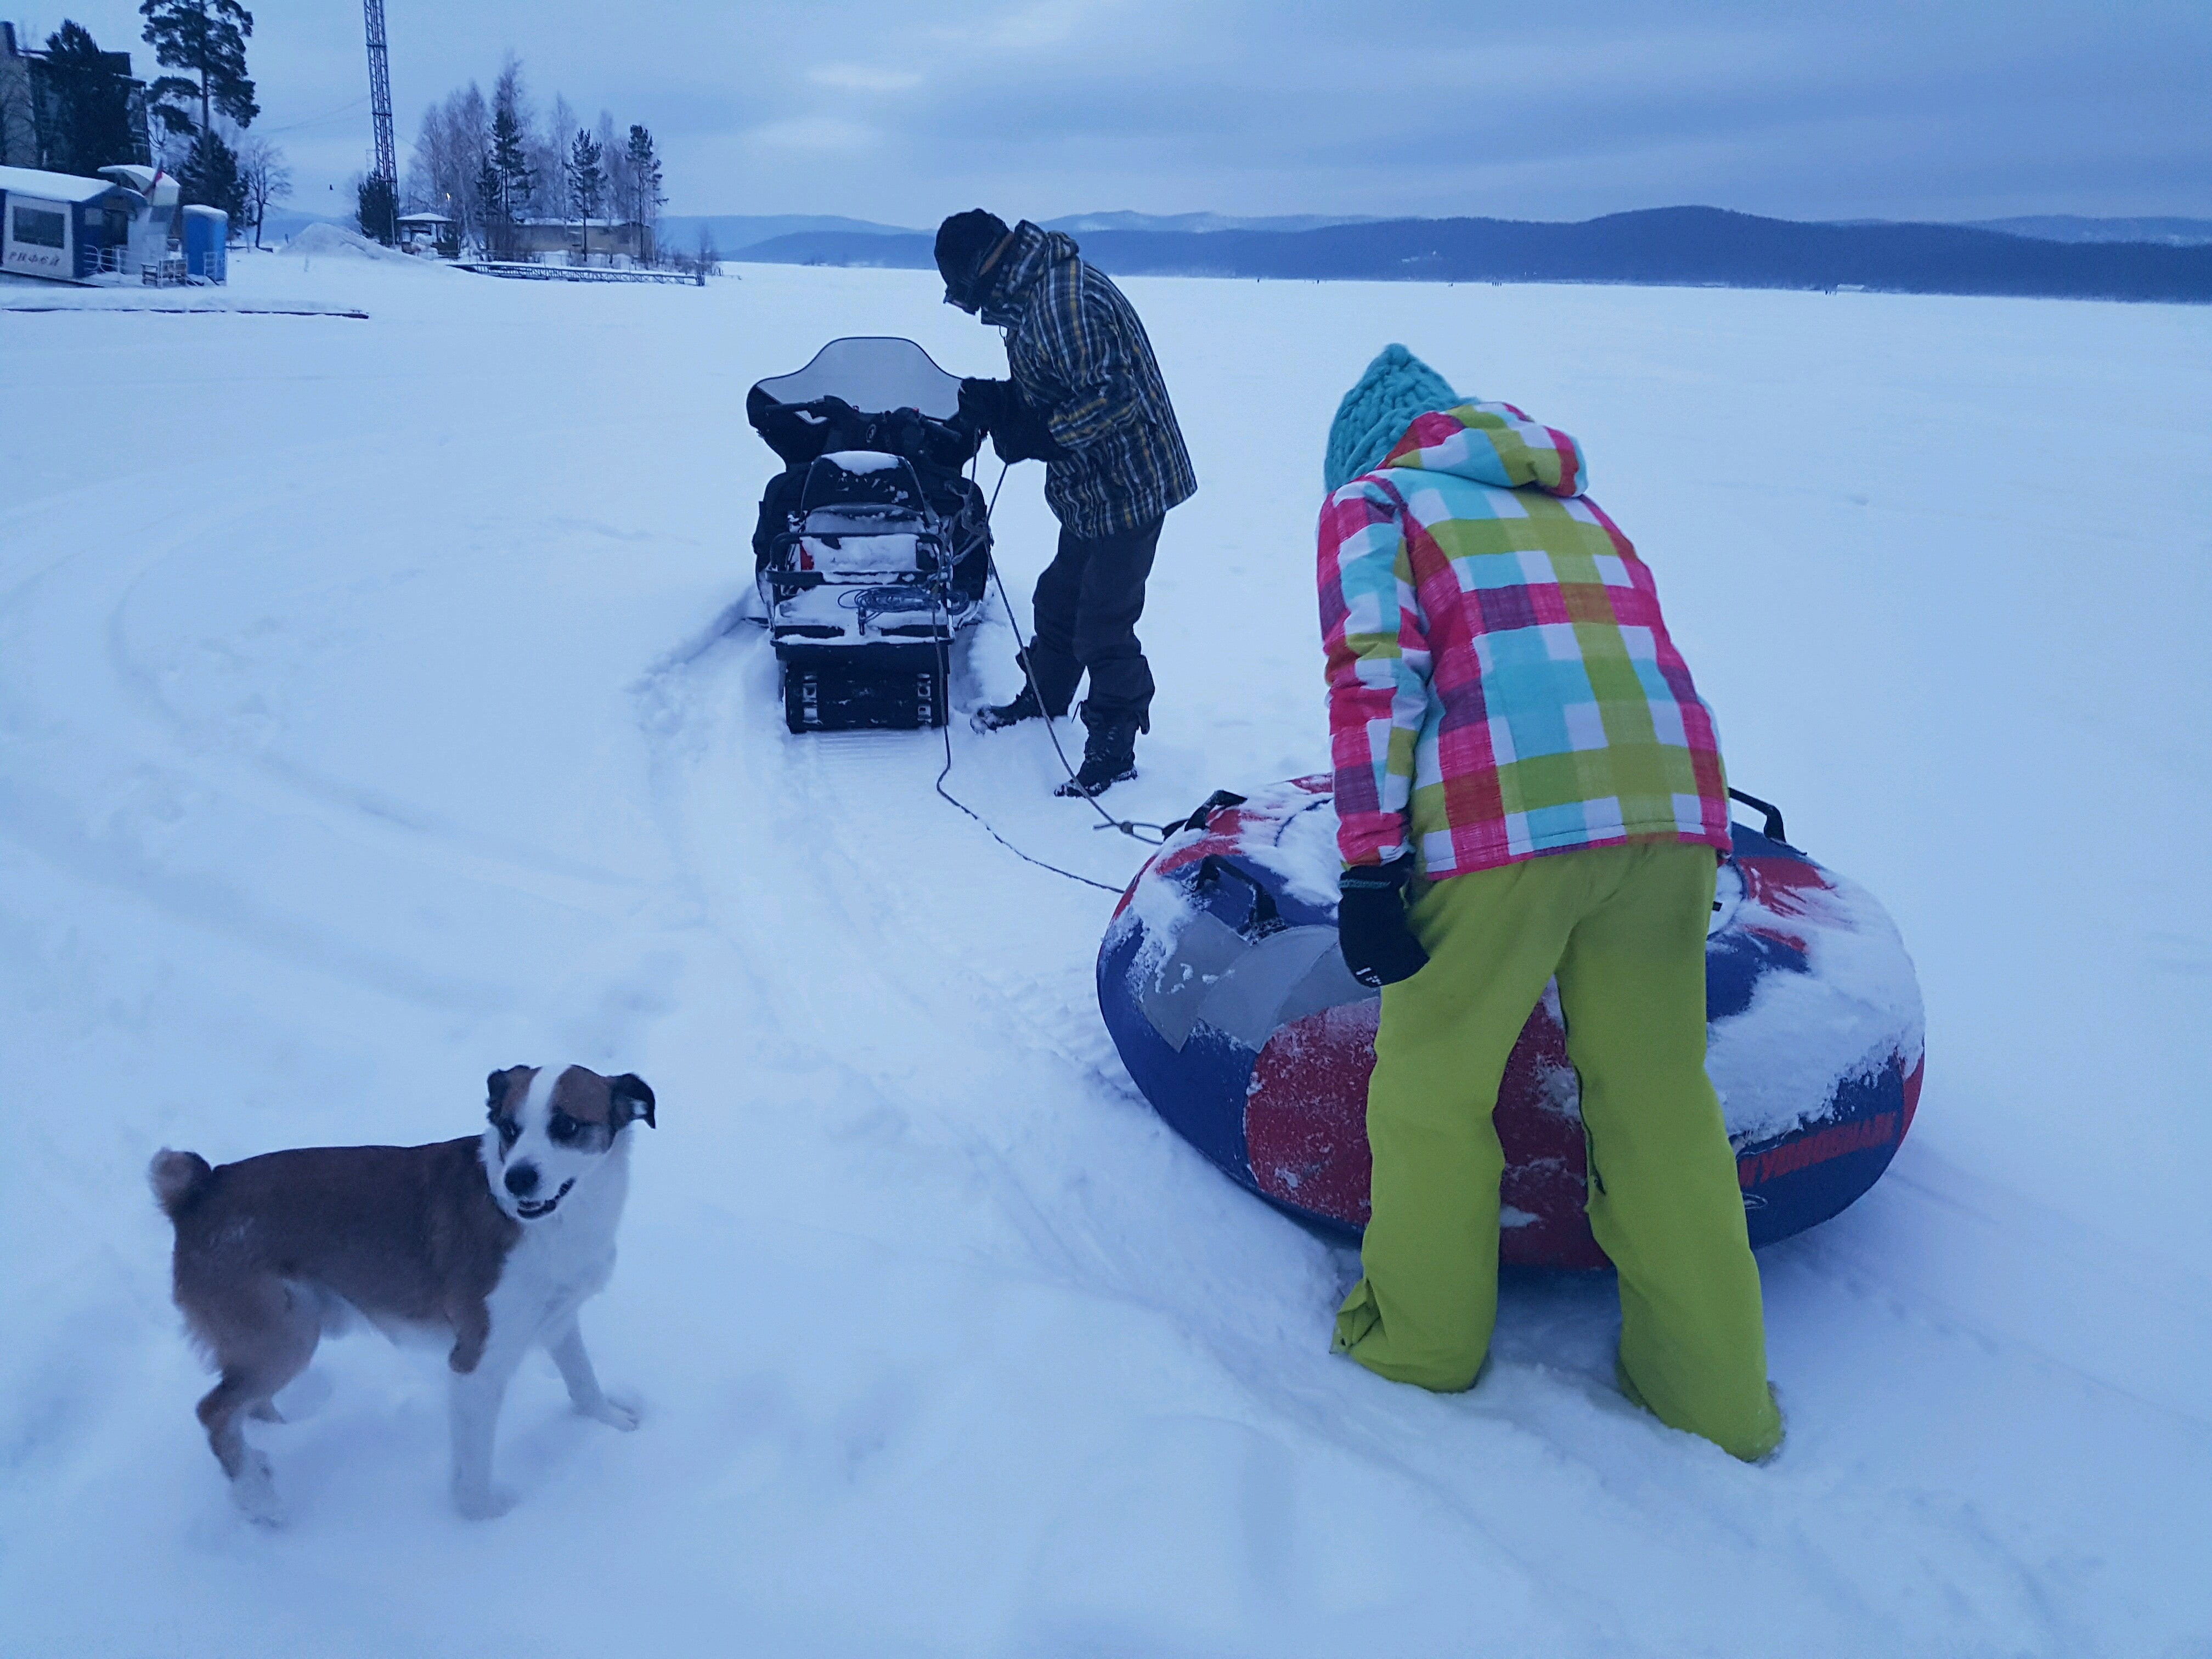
[[367, 722]]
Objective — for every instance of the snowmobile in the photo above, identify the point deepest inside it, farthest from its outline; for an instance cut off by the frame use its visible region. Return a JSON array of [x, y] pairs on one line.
[[872, 547]]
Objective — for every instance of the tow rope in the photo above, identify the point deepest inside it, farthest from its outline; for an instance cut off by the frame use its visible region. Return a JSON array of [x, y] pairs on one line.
[[1151, 833]]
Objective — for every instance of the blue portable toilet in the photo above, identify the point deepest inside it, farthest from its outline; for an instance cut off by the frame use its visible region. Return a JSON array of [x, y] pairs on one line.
[[207, 230]]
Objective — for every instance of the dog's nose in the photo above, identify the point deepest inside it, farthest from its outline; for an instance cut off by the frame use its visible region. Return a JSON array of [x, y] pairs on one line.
[[522, 1180]]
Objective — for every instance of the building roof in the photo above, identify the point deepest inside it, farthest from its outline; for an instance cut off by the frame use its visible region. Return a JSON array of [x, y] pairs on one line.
[[424, 219], [54, 186]]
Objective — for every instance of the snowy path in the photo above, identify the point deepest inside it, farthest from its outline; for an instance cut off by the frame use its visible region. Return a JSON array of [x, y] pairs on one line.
[[374, 731]]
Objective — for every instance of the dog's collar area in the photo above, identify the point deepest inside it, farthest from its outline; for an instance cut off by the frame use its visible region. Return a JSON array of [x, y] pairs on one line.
[[531, 1212]]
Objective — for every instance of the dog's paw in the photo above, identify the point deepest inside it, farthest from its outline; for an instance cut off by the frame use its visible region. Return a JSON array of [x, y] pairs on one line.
[[254, 1491], [482, 1503], [616, 1410]]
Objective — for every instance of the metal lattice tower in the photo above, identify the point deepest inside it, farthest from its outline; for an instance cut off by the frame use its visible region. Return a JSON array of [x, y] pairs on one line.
[[379, 100]]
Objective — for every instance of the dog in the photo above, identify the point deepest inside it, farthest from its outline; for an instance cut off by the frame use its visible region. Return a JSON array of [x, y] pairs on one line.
[[490, 1243]]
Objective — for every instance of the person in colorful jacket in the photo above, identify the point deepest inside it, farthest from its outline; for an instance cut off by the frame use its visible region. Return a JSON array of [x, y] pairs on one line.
[[1085, 398], [1527, 787]]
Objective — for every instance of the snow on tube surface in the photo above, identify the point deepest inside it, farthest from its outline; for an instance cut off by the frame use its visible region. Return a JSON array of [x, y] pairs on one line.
[[1222, 984]]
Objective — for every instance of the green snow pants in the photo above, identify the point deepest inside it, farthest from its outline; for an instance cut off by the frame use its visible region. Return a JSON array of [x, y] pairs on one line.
[[1624, 930]]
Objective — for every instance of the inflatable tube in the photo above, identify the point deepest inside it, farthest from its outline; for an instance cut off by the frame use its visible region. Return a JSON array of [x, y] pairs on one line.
[[1222, 984]]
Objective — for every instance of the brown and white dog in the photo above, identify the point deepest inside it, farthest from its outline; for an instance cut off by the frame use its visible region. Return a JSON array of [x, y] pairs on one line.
[[490, 1243]]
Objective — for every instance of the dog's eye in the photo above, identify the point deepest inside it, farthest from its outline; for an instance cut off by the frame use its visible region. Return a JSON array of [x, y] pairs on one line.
[[563, 1127], [507, 1130]]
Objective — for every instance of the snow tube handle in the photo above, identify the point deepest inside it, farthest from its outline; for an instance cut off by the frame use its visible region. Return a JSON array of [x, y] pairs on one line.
[[1773, 831], [1265, 917], [1202, 819]]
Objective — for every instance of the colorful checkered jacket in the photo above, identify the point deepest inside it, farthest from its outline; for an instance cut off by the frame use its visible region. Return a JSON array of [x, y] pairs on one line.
[[1082, 360], [1501, 684]]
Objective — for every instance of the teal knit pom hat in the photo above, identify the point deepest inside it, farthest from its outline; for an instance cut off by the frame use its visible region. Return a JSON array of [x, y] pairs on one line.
[[1397, 388]]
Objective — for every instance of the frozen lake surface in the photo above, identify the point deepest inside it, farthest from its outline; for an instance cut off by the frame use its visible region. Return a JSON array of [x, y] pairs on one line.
[[368, 722]]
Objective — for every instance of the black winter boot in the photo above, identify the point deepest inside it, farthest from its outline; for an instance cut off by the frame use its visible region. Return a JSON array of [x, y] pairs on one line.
[[997, 717], [1109, 753]]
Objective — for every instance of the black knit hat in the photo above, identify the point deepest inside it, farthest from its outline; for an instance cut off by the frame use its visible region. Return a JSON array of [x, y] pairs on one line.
[[964, 242]]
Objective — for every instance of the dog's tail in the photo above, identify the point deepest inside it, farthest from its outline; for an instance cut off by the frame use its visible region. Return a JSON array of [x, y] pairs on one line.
[[177, 1178]]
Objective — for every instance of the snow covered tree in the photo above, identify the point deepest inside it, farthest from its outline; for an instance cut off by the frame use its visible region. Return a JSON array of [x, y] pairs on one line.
[[644, 194], [263, 178], [88, 112], [208, 37], [587, 182]]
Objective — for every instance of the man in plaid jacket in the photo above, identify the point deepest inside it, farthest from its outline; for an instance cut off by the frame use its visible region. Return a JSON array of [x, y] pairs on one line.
[[1527, 787], [1085, 398]]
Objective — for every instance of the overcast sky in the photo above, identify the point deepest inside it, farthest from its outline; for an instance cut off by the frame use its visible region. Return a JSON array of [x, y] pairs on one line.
[[904, 111]]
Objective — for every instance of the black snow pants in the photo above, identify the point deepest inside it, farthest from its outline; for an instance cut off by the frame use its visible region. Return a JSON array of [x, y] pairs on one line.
[[1087, 603]]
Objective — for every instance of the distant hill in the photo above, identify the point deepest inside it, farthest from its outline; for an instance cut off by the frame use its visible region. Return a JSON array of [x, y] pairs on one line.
[[2071, 227], [733, 232], [1202, 222], [1684, 245]]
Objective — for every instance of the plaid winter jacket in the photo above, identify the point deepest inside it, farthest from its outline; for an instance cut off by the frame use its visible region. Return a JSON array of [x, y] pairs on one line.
[[1500, 681], [1081, 360]]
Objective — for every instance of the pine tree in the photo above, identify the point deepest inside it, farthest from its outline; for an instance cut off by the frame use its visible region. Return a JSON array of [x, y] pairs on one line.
[[91, 104], [587, 182], [211, 178], [491, 208], [511, 166], [376, 206], [645, 185], [209, 38]]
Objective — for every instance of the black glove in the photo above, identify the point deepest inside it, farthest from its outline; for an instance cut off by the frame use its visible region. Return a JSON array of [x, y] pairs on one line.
[[1378, 942], [983, 402], [1019, 433]]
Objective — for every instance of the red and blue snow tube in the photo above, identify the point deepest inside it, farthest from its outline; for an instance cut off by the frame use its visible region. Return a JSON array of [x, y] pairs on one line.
[[1222, 984]]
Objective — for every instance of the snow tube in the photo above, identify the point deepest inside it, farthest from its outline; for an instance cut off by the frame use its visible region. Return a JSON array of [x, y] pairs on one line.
[[1221, 982]]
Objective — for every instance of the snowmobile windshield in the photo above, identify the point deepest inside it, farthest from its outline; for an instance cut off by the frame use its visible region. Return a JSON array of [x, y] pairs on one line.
[[875, 375], [836, 400]]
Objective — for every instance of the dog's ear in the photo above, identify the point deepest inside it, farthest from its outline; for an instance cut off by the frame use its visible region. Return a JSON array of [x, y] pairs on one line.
[[631, 1097], [497, 1085]]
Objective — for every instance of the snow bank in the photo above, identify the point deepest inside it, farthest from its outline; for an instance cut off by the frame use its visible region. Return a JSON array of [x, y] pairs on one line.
[[336, 242]]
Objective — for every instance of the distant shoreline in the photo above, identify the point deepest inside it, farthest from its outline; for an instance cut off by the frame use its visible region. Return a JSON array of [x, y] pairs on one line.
[[1696, 248]]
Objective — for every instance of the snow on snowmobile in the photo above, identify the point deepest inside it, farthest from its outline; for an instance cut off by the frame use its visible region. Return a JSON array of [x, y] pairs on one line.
[[872, 547]]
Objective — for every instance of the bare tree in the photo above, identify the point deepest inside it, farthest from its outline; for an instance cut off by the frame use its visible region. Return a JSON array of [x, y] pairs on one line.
[[549, 160], [616, 165], [265, 179], [448, 160]]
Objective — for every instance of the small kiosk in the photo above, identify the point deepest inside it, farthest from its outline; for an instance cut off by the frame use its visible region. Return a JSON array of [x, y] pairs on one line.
[[58, 228], [430, 235]]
